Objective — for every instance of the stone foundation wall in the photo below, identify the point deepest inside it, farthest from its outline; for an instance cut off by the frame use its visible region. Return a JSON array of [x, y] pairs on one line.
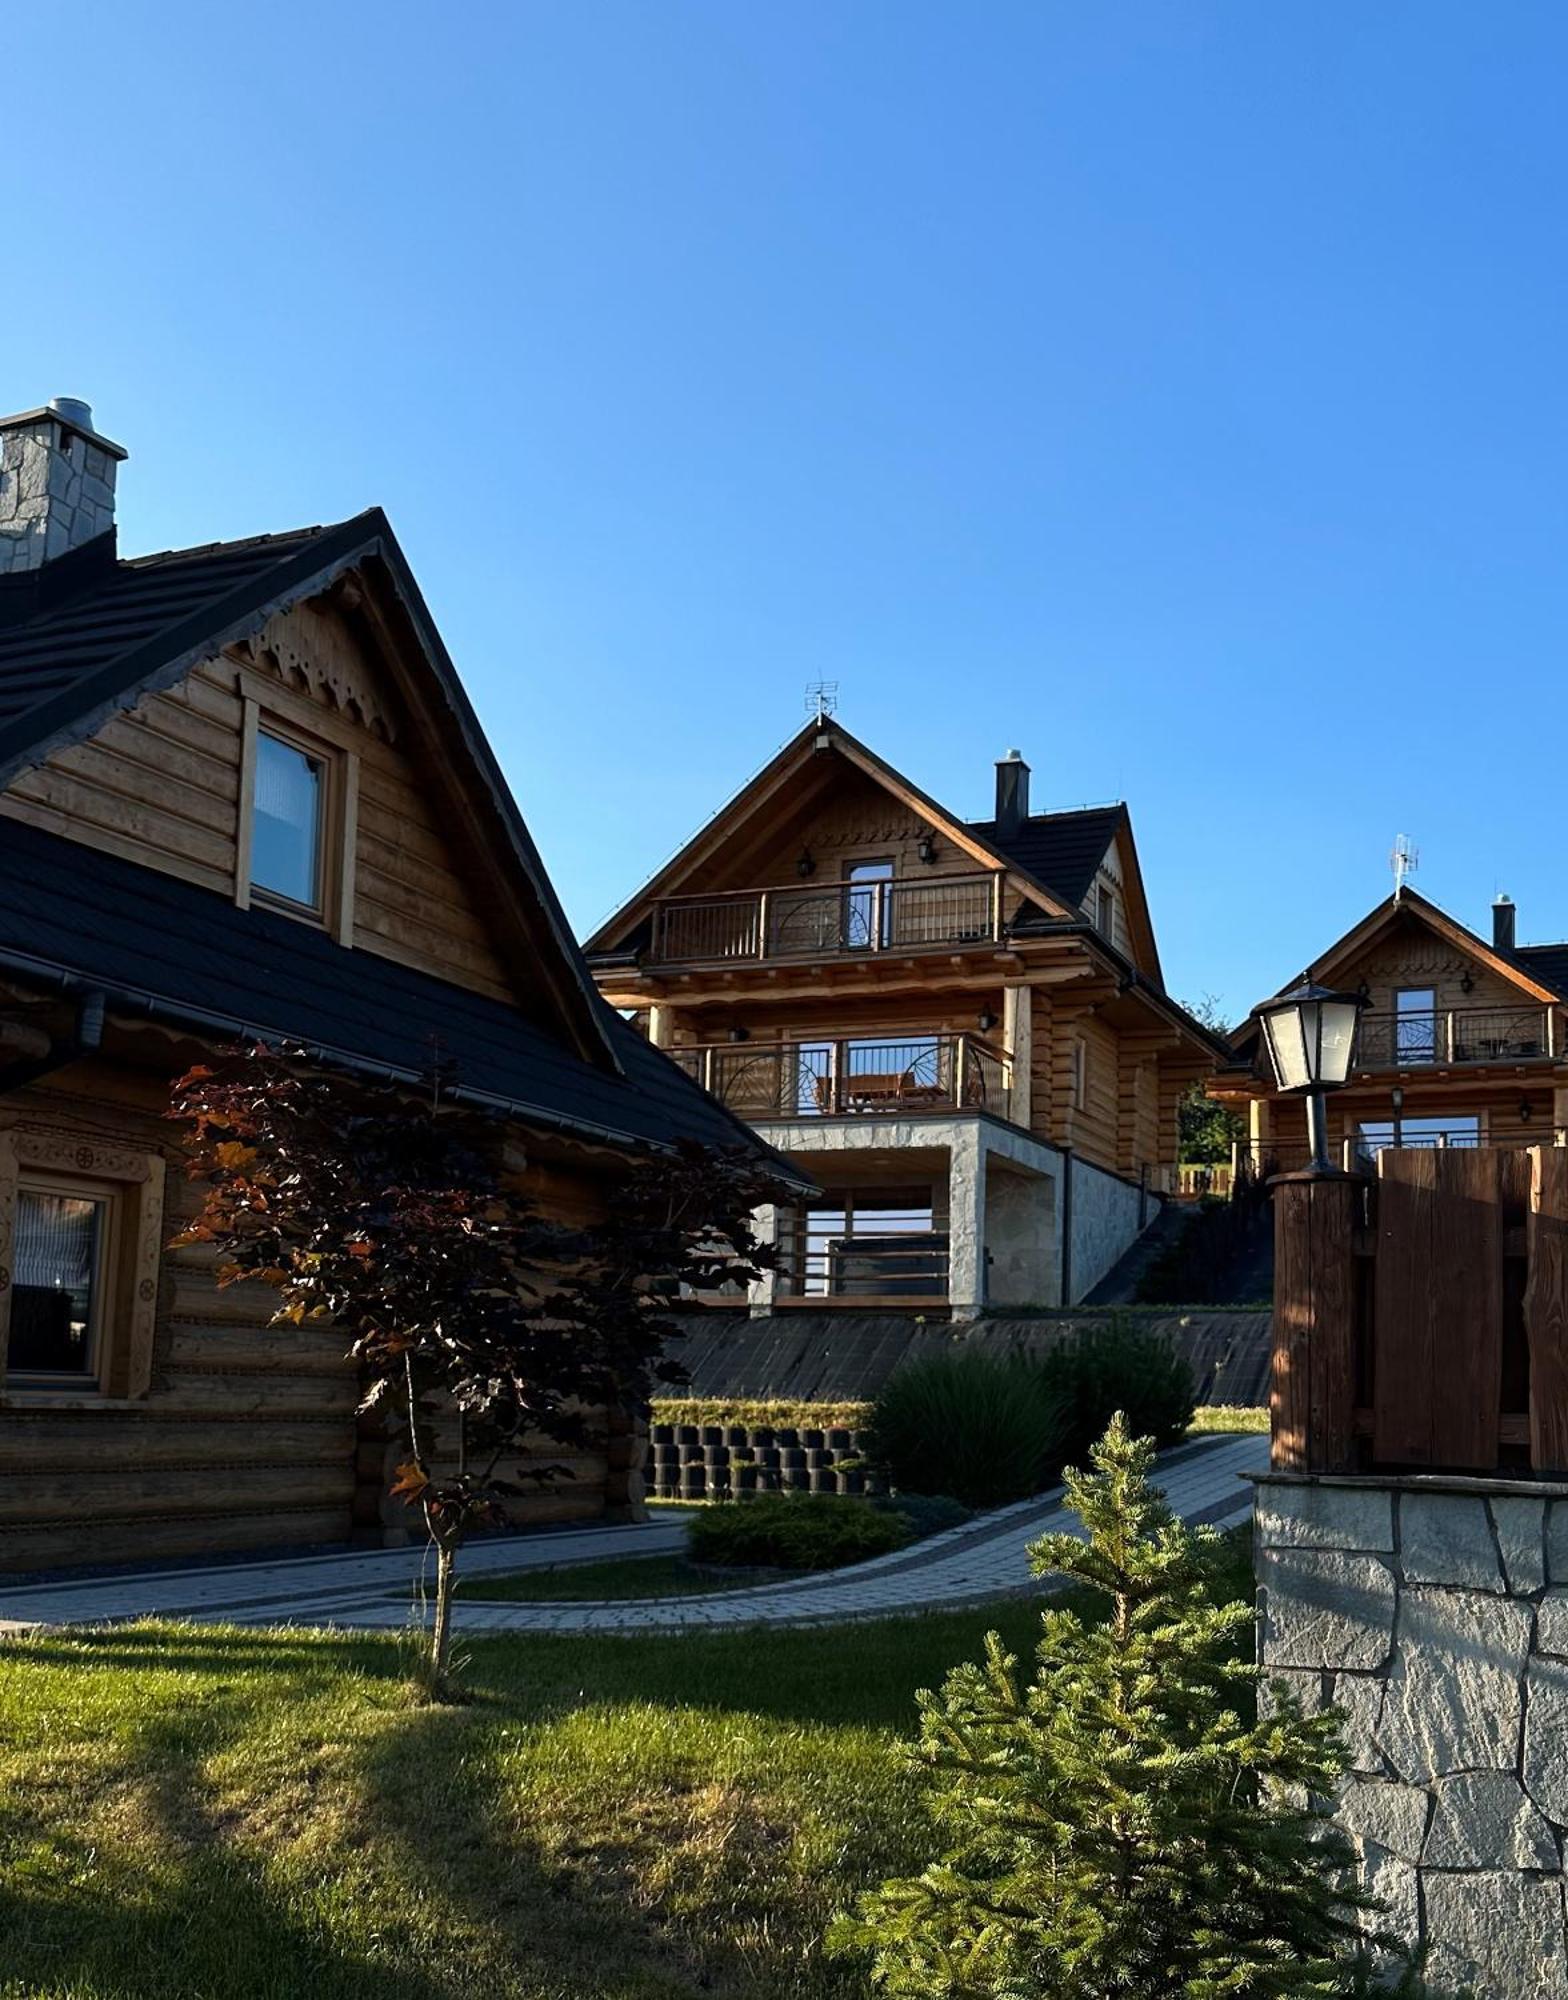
[[1434, 1614]]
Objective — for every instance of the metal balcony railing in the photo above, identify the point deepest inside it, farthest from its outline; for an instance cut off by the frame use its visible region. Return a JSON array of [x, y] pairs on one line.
[[897, 1265], [841, 919], [1444, 1037], [849, 1076]]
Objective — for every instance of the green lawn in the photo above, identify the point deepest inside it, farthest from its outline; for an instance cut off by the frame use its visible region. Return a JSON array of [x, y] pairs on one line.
[[630, 1576], [189, 1812], [1228, 1417]]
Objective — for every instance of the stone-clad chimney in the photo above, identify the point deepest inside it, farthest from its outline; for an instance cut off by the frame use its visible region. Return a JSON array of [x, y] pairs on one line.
[[1012, 792], [56, 484], [1504, 918]]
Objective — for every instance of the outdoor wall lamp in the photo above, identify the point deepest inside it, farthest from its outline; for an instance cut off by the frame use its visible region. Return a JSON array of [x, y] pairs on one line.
[[806, 865], [987, 1020], [1311, 1036], [925, 847], [1524, 1111]]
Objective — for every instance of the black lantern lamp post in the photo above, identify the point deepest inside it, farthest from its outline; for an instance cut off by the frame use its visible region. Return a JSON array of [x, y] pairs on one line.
[[1311, 1035]]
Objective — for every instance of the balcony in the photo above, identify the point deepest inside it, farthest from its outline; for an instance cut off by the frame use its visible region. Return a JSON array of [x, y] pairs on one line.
[[835, 1078], [1446, 1038], [846, 919]]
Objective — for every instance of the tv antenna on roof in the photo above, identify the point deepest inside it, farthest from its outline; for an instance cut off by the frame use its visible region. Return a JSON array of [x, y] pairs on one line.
[[821, 699], [1405, 859]]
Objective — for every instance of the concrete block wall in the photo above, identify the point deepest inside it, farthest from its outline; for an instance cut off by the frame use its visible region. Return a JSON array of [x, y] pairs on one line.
[[1434, 1614]]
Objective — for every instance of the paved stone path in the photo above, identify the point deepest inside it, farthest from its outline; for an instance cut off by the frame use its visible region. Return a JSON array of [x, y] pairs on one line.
[[984, 1558]]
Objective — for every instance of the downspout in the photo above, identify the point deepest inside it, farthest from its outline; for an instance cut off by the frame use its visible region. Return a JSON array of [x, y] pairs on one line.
[[1067, 1225]]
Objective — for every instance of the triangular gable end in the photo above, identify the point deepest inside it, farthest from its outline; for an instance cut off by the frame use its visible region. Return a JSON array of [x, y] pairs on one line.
[[296, 611], [752, 824]]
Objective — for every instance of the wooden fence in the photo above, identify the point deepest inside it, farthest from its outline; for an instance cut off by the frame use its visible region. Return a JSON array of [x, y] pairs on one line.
[[1421, 1316]]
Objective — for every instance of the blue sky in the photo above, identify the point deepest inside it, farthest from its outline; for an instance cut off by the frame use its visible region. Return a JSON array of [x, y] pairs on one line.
[[1177, 392]]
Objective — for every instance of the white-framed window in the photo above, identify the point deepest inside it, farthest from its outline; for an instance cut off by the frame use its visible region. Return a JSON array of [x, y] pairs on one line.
[[288, 815], [62, 1257], [299, 791]]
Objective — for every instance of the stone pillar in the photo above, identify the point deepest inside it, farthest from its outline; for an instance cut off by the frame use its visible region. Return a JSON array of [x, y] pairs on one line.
[[966, 1221], [1018, 1036], [1433, 1613], [761, 1293]]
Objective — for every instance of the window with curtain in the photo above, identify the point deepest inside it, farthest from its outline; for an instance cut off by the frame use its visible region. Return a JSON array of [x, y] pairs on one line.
[[285, 841], [58, 1254]]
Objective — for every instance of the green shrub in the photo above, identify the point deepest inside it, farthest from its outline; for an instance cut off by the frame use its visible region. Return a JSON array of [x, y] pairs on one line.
[[794, 1531], [926, 1513], [743, 1410], [1119, 1365], [982, 1428]]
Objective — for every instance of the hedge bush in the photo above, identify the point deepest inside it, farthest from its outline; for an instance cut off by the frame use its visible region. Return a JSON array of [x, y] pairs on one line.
[[982, 1428], [794, 1531], [1119, 1365]]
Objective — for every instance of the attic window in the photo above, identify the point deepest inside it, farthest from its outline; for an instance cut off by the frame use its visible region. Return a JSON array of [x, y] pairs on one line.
[[298, 814], [286, 821], [1105, 911]]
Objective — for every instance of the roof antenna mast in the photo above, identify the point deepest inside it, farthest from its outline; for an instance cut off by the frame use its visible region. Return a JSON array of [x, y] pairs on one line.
[[821, 699], [1405, 859]]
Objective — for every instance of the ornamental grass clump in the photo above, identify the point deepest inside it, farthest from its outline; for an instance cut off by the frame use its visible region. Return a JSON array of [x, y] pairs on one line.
[[981, 1428], [1115, 1824]]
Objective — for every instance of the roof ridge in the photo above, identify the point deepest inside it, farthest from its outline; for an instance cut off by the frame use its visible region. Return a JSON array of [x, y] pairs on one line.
[[237, 543], [1060, 812]]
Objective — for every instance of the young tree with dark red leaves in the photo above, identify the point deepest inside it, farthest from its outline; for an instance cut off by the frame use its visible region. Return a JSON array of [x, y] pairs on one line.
[[401, 1217]]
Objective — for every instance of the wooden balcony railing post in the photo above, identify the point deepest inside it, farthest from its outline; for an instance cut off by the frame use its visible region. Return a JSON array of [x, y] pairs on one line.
[[960, 1055], [764, 916], [996, 906], [1312, 1396]]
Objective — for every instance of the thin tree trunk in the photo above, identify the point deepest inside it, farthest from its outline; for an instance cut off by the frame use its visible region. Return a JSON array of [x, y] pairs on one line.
[[441, 1633]]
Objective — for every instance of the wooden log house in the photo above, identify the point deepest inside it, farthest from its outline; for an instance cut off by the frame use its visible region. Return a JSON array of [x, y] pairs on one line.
[[958, 1028], [1463, 1043], [242, 791]]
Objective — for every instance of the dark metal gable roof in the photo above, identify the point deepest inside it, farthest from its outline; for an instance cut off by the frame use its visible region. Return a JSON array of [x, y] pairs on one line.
[[1545, 962], [124, 629], [1063, 850], [180, 954]]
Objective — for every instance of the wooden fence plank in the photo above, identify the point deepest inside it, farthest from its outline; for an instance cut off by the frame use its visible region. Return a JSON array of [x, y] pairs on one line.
[[1546, 1309], [1290, 1384], [1402, 1389], [1334, 1205], [1464, 1290]]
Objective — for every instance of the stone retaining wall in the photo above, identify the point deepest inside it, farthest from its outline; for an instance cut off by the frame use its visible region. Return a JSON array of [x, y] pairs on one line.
[[1434, 1614]]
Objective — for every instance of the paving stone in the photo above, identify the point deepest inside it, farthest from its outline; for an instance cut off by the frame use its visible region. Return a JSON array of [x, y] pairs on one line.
[[1383, 1813], [1325, 1517], [1496, 1931], [1325, 1609], [1482, 1819], [1551, 1623], [1545, 1763], [1520, 1525], [1359, 1698], [1446, 1538], [1453, 1700]]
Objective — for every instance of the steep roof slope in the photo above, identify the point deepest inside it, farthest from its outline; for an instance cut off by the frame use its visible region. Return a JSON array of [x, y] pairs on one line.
[[116, 631], [1061, 849], [181, 955]]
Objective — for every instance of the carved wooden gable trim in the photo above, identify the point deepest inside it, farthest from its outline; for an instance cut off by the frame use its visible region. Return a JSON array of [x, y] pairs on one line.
[[312, 649]]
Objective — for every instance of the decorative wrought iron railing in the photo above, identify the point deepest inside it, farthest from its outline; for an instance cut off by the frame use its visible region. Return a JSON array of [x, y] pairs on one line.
[[847, 1076], [827, 921], [1445, 1036]]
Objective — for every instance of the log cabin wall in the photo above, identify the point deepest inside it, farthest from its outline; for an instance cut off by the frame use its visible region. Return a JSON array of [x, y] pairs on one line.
[[161, 785], [246, 1435]]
